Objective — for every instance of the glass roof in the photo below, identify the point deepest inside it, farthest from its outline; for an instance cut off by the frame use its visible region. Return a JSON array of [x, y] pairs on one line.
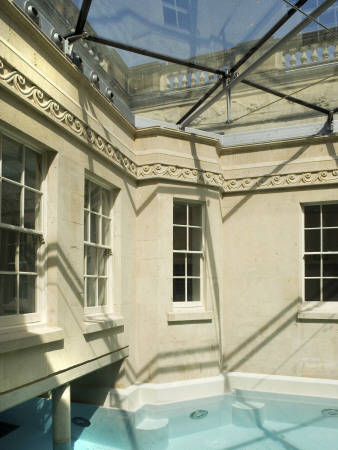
[[173, 60]]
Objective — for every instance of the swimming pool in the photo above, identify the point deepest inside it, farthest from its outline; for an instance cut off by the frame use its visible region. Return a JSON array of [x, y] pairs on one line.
[[239, 420]]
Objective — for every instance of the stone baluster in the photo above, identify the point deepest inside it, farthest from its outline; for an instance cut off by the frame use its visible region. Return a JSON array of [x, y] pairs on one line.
[[193, 79], [283, 59], [168, 82], [314, 56], [335, 53], [303, 57], [184, 80], [210, 77], [176, 81], [326, 53], [202, 78], [293, 59]]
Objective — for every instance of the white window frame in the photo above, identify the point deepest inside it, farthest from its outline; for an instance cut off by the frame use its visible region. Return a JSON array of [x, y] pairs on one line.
[[321, 253], [186, 303], [176, 9], [40, 288], [108, 306]]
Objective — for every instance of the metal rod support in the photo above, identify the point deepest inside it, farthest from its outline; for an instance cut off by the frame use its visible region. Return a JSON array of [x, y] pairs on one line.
[[286, 96], [81, 21], [228, 106], [151, 54], [326, 4]]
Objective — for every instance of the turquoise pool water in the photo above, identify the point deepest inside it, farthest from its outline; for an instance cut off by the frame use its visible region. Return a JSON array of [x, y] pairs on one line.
[[241, 420]]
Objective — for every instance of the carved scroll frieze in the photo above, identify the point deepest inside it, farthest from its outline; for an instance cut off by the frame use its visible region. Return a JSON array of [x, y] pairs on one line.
[[44, 102]]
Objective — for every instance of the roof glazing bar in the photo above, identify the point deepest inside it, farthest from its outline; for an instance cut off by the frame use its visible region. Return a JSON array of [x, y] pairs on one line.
[[313, 20], [81, 21], [244, 58], [286, 96], [151, 54], [323, 7]]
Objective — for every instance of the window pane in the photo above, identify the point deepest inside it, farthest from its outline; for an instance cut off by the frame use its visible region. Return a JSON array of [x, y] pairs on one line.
[[10, 207], [27, 294], [94, 228], [32, 210], [179, 265], [103, 261], [87, 194], [312, 240], [178, 290], [195, 215], [193, 290], [184, 4], [330, 240], [312, 265], [330, 215], [28, 250], [102, 291], [195, 239], [169, 16], [11, 159], [180, 214], [312, 216], [183, 20], [194, 262], [312, 290], [330, 290], [95, 197], [32, 169], [90, 292], [91, 260], [330, 265], [105, 231], [105, 202], [85, 226], [8, 245], [8, 295], [180, 238]]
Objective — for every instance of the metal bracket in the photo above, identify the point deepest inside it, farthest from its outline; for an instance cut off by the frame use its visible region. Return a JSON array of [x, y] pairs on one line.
[[70, 41], [329, 124]]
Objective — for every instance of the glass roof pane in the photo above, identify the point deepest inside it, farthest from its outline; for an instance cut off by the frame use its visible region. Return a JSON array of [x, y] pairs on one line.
[[183, 28]]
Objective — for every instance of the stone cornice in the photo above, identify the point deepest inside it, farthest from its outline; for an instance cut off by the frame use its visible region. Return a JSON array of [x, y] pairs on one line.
[[13, 80]]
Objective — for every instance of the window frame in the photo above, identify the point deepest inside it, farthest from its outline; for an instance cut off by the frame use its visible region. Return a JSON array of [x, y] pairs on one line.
[[39, 315], [186, 303], [108, 306], [321, 253]]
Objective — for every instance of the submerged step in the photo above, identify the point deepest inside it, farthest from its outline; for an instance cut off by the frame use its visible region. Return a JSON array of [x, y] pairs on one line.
[[247, 414], [150, 423], [152, 434]]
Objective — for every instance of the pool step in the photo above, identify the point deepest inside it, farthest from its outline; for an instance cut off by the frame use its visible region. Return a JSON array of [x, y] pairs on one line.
[[152, 433], [247, 414]]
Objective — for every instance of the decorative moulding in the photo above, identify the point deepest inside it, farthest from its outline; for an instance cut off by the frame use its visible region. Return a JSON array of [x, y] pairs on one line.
[[42, 101]]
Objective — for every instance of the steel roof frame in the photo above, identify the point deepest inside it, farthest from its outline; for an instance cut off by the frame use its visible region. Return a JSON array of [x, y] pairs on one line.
[[226, 78]]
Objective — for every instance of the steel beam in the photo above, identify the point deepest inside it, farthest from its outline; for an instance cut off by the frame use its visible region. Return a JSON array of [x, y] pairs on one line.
[[323, 7], [151, 54], [81, 21]]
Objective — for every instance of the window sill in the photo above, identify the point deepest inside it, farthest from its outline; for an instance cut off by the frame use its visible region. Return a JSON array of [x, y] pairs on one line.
[[319, 311], [19, 339], [190, 315], [99, 322]]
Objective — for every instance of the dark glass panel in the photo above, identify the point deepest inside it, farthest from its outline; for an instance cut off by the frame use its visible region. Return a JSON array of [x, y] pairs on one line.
[[8, 295], [169, 16], [312, 265], [195, 215], [330, 215], [105, 202], [87, 194], [91, 291], [193, 265], [178, 290], [312, 240], [8, 246], [85, 226], [179, 265], [195, 239], [105, 231], [183, 20], [10, 207], [184, 4], [102, 283], [32, 210], [312, 216], [180, 238], [28, 250], [11, 159], [91, 260], [95, 197], [103, 261], [193, 287], [94, 228], [330, 265], [32, 169], [312, 290], [180, 214], [27, 294], [330, 240], [330, 290]]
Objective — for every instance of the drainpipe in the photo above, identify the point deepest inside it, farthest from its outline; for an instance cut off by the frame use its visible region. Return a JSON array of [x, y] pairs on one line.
[[61, 418]]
